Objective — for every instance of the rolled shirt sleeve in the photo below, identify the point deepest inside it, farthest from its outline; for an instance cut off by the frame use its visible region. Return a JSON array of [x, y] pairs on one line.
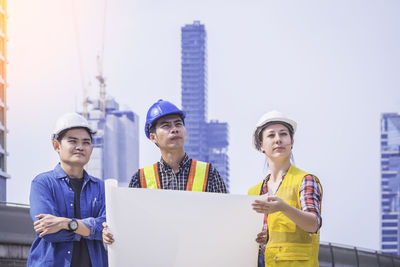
[[95, 225], [310, 197]]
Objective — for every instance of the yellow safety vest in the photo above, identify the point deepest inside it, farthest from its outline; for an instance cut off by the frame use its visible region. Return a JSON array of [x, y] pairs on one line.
[[197, 179], [288, 244]]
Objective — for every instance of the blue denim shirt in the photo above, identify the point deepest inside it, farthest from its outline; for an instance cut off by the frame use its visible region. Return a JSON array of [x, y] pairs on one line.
[[51, 194]]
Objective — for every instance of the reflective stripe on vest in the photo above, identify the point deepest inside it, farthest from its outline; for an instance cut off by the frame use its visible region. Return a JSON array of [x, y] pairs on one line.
[[197, 179], [198, 175], [149, 177], [288, 244]]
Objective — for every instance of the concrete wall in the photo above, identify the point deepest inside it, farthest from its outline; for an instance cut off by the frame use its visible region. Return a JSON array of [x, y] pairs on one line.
[[16, 235], [13, 255]]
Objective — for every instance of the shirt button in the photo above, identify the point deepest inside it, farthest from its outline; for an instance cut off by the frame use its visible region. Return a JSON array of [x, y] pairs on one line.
[[71, 204], [69, 252]]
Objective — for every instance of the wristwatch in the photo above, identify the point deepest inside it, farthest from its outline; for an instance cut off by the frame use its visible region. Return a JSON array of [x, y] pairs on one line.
[[73, 225]]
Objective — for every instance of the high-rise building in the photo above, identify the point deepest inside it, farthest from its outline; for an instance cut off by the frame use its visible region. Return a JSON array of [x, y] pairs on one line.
[[390, 183], [194, 88], [217, 137], [115, 144], [3, 107], [205, 141]]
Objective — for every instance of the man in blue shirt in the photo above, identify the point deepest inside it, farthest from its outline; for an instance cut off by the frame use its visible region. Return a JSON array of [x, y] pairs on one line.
[[67, 204]]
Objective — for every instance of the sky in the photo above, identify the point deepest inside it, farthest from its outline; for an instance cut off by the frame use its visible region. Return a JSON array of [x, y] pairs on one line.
[[332, 66]]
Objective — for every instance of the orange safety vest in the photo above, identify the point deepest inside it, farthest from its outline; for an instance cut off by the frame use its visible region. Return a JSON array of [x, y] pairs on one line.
[[197, 180], [288, 244]]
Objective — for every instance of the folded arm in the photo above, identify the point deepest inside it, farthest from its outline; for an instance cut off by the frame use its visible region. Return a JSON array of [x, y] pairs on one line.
[[50, 225]]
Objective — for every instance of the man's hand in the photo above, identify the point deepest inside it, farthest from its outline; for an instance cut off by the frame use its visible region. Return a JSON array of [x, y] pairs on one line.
[[49, 224], [107, 236]]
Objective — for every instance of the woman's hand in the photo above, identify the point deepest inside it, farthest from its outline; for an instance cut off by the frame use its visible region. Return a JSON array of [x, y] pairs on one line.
[[107, 236], [270, 205], [305, 220], [262, 238]]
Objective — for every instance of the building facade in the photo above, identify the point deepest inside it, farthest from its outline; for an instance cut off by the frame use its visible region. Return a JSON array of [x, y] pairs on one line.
[[217, 137], [3, 106], [116, 143], [205, 141], [194, 88], [390, 183]]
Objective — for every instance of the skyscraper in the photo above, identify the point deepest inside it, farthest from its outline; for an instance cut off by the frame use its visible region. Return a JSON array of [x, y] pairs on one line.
[[3, 107], [204, 141], [217, 137], [115, 144], [390, 183]]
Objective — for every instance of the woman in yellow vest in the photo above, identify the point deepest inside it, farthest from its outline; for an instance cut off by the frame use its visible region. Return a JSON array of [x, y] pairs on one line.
[[292, 202]]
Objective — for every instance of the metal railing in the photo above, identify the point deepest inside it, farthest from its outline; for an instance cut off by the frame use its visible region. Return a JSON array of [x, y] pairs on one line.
[[335, 255], [14, 204]]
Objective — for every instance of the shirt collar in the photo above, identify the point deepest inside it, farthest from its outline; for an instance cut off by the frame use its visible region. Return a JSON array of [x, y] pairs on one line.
[[283, 176], [185, 161], [60, 174]]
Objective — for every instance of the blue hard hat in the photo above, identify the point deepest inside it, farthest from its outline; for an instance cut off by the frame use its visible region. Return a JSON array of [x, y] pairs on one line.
[[160, 109]]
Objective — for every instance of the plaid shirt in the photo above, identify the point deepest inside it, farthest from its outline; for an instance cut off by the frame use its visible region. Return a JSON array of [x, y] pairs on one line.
[[310, 201], [178, 181]]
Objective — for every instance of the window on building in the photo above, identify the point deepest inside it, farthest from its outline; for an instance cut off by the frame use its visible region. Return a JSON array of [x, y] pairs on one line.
[[389, 232], [389, 217], [389, 247], [2, 162], [389, 239]]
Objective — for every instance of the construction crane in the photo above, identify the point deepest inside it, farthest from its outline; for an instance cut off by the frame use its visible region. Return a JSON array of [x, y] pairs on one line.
[[100, 77], [102, 84]]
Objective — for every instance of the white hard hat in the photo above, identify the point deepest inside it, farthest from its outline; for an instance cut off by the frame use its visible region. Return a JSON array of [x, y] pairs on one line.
[[272, 116], [277, 116], [68, 121]]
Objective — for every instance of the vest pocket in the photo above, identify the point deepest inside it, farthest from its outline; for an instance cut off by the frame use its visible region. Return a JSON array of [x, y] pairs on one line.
[[292, 257], [288, 252]]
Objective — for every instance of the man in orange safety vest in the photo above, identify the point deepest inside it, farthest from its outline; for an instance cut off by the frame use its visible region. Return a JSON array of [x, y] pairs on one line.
[[165, 127]]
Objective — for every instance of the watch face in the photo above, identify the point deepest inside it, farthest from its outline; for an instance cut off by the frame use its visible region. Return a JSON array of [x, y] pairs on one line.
[[73, 225]]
